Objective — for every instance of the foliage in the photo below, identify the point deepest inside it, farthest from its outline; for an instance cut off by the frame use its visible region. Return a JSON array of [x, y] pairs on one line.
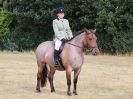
[[5, 21], [115, 25], [113, 20]]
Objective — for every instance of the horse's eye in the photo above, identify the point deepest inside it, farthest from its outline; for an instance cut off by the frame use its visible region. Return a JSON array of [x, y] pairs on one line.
[[90, 38]]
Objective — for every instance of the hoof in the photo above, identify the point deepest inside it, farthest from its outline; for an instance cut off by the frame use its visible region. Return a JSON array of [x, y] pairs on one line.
[[38, 90], [69, 94], [75, 93], [52, 91]]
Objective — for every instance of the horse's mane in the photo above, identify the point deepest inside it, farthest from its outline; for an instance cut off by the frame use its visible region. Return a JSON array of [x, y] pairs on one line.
[[77, 33]]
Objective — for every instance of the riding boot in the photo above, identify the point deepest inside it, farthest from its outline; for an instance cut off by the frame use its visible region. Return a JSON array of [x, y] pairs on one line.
[[56, 58]]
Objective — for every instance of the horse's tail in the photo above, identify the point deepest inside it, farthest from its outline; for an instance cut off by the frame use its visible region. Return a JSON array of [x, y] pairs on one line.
[[44, 76]]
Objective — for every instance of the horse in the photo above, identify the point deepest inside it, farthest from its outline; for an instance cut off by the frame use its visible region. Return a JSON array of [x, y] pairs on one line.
[[72, 59]]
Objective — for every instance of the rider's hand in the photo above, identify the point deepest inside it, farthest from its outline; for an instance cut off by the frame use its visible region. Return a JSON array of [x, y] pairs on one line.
[[68, 38], [64, 40]]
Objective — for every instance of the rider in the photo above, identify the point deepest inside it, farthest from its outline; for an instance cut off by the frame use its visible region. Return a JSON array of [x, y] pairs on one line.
[[62, 32]]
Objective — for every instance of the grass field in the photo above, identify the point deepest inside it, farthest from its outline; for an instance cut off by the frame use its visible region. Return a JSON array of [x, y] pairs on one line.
[[102, 77]]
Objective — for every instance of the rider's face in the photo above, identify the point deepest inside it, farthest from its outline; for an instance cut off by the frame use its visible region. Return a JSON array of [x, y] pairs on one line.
[[60, 15]]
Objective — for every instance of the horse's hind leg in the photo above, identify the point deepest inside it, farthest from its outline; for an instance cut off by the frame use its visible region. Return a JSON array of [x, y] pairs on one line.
[[50, 77], [39, 76], [76, 74]]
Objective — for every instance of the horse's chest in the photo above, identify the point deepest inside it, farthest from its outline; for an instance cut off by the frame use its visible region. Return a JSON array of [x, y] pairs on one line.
[[77, 61]]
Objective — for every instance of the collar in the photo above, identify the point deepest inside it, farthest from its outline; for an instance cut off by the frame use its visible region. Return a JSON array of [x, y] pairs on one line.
[[60, 19]]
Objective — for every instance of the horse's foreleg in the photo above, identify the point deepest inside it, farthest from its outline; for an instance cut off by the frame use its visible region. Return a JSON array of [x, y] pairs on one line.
[[76, 73], [50, 77], [68, 75]]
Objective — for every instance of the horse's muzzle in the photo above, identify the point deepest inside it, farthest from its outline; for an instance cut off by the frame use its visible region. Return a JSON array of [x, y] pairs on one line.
[[95, 51]]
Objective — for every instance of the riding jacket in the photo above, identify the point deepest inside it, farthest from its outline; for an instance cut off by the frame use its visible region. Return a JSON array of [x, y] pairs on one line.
[[61, 29]]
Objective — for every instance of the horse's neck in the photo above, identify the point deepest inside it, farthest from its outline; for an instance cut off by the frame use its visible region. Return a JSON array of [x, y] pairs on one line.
[[78, 41]]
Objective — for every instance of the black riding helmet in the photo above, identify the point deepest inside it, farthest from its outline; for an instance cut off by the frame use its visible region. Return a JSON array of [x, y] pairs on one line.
[[60, 10]]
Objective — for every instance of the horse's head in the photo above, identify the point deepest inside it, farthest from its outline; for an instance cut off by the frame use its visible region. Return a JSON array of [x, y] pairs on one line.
[[90, 41]]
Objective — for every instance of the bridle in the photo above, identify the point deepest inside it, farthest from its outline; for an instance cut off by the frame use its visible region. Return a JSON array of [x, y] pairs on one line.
[[89, 49]]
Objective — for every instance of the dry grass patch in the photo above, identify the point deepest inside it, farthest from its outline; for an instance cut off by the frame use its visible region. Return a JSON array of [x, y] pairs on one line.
[[102, 77]]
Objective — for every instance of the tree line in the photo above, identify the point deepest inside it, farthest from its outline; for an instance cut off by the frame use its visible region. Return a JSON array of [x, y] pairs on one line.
[[26, 23]]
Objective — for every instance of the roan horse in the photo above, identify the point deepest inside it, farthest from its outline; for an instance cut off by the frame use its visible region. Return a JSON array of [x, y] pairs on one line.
[[72, 59]]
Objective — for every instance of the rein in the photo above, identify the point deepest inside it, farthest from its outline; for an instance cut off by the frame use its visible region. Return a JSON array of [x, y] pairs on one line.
[[76, 45], [78, 33], [86, 48]]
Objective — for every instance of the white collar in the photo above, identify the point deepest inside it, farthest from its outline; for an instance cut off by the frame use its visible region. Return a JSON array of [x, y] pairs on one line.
[[60, 19]]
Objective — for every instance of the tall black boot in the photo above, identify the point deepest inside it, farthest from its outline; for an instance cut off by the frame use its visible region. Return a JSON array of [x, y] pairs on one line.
[[56, 58]]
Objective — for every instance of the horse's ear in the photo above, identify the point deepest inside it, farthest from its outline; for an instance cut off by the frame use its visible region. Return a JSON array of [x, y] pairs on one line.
[[94, 31], [87, 31]]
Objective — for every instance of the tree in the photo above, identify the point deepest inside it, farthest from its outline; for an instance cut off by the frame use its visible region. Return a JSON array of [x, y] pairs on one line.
[[113, 20], [115, 25], [5, 20]]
